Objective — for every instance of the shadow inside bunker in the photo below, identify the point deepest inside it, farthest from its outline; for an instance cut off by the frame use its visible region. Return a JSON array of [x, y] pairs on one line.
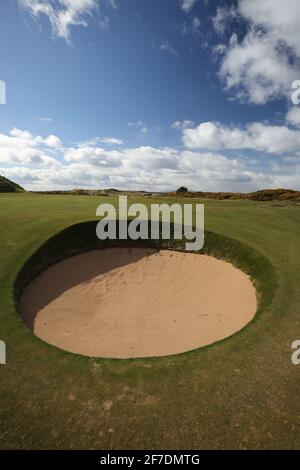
[[87, 272]]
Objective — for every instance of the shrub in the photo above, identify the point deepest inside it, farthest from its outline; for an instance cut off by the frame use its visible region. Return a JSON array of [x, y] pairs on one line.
[[182, 189]]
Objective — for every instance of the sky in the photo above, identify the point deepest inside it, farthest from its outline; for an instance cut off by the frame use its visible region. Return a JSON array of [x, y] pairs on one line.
[[150, 95]]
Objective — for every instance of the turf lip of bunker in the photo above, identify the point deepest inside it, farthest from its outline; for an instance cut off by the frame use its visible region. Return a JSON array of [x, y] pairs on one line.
[[81, 238]]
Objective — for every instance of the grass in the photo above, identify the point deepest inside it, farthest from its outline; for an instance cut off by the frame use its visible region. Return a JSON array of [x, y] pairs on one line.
[[8, 186], [239, 393]]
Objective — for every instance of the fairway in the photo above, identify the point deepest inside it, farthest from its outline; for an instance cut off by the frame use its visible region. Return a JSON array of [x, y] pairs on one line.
[[238, 393]]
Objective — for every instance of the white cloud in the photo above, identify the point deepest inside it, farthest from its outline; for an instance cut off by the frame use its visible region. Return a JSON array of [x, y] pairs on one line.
[[113, 4], [280, 19], [139, 125], [262, 65], [21, 147], [256, 70], [95, 156], [182, 124], [101, 140], [43, 119], [32, 162], [223, 16], [165, 47], [135, 159], [111, 141], [255, 136], [53, 141], [192, 26], [187, 5], [293, 116], [196, 24], [26, 138], [136, 124], [64, 14]]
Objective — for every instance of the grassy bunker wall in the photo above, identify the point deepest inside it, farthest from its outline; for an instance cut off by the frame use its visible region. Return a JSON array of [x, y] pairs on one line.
[[82, 237]]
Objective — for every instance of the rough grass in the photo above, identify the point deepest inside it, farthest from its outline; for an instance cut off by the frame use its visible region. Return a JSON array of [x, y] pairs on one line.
[[282, 195], [8, 186], [239, 393]]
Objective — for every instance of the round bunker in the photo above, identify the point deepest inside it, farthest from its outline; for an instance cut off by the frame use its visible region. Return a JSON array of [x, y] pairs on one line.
[[137, 302]]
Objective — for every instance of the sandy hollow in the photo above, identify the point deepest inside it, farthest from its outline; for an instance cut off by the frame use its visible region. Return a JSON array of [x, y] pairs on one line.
[[121, 302]]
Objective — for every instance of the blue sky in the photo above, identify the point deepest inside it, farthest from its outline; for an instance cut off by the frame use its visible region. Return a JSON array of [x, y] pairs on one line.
[[143, 94]]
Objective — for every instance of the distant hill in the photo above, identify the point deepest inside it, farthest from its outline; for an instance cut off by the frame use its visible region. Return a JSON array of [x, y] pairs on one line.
[[275, 194], [7, 186], [262, 195]]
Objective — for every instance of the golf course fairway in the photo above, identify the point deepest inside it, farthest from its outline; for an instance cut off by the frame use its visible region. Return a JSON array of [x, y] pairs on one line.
[[240, 392]]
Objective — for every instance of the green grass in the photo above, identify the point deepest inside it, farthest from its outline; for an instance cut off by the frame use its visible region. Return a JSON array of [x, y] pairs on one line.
[[242, 392], [8, 186]]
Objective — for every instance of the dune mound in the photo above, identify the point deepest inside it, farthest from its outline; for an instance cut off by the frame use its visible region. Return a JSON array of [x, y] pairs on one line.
[[8, 186]]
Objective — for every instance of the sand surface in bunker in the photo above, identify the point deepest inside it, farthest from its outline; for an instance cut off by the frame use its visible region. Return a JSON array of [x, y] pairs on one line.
[[138, 302]]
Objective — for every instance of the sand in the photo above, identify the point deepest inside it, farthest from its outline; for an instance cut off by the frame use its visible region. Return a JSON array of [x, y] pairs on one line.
[[124, 303]]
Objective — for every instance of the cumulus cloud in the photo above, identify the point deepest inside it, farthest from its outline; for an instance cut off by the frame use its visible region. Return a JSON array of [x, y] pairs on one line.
[[29, 158], [261, 65], [135, 159], [111, 141], [95, 156], [65, 14], [255, 136], [53, 141], [42, 163], [223, 16], [293, 116], [22, 147]]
